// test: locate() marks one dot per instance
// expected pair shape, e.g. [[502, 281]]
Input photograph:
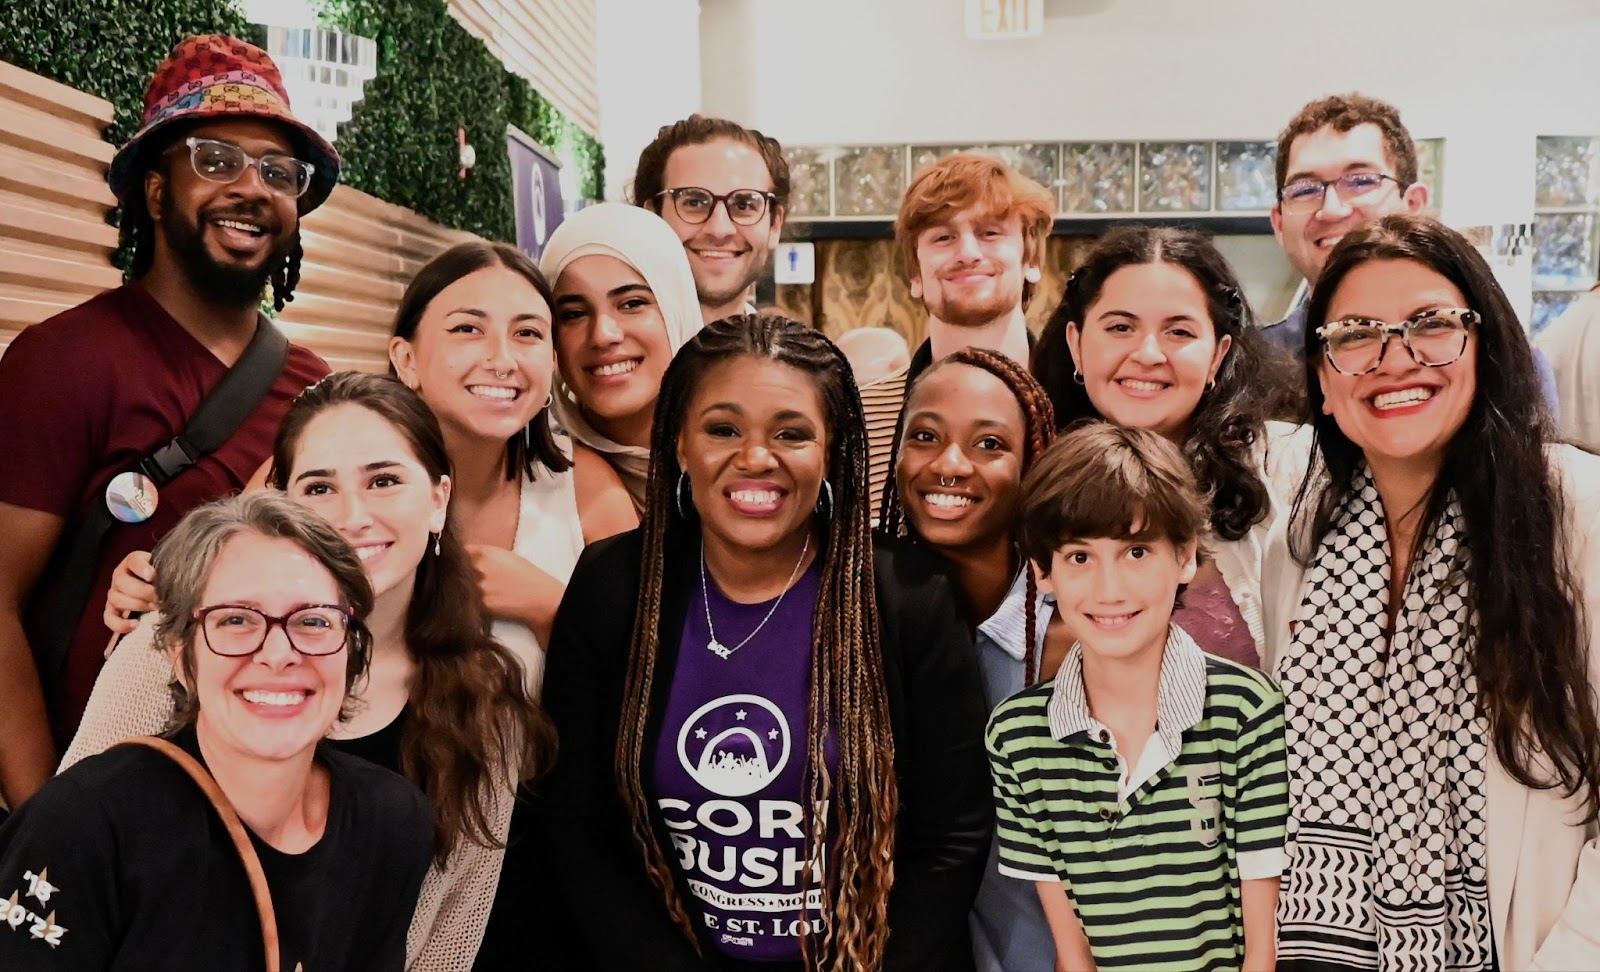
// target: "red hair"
[[966, 181]]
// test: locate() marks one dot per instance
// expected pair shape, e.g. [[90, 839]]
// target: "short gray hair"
[[186, 555]]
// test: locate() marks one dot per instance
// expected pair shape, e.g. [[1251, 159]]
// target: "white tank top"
[[549, 536]]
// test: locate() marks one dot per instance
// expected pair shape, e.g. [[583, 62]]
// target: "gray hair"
[[186, 555]]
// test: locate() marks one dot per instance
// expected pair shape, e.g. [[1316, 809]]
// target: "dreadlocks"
[[847, 694], [138, 230], [1039, 418]]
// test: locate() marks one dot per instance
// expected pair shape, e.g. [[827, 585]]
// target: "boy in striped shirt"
[[1144, 790]]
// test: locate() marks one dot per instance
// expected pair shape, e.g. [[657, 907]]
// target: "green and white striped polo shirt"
[[1154, 878]]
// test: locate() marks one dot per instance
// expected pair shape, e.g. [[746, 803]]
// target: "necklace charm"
[[718, 648]]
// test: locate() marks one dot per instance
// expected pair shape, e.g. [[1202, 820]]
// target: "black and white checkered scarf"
[[1386, 751]]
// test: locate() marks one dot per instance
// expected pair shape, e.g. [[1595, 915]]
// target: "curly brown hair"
[[649, 176], [1342, 113]]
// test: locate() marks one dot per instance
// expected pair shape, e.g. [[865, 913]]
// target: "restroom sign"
[[794, 263], [1004, 19]]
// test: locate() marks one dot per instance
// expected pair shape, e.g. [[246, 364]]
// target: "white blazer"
[[1544, 858]]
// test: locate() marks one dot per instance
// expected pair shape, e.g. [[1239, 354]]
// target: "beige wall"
[[56, 246], [549, 42]]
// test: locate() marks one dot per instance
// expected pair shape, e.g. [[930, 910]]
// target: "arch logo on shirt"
[[735, 745]]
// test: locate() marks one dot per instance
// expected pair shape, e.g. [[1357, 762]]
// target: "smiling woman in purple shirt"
[[771, 729]]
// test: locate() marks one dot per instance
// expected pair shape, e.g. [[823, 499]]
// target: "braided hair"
[[847, 696], [1039, 420], [1251, 384]]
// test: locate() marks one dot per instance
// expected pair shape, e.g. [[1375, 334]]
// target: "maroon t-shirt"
[[85, 396]]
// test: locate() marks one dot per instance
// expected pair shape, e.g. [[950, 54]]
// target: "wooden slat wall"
[[549, 42], [56, 246], [360, 252], [55, 243]]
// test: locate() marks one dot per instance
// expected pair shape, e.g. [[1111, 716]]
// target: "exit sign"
[[1004, 19]]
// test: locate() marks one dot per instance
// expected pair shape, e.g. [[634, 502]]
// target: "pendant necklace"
[[718, 648]]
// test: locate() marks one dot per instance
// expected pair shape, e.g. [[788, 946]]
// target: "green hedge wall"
[[432, 77], [108, 49], [401, 144]]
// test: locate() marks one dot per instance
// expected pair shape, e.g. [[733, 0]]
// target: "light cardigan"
[[1281, 456], [131, 698], [1544, 859]]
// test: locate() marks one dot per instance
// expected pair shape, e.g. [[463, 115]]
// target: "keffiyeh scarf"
[[1387, 749]]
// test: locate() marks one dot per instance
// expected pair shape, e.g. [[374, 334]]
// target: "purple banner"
[[536, 187]]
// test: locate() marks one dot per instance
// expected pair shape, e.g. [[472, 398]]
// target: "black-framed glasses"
[[1435, 338], [225, 162], [695, 205], [1307, 195], [234, 630]]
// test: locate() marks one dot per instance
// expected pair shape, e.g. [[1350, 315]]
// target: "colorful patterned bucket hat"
[[217, 76]]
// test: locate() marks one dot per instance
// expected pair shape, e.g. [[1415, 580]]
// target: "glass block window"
[[1174, 177], [1566, 226], [1097, 177], [1430, 169], [1247, 176], [1197, 178], [869, 180], [809, 183]]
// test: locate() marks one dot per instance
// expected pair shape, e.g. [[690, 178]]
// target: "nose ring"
[[946, 482], [502, 375]]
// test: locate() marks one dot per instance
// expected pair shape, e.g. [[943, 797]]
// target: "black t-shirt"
[[121, 863]]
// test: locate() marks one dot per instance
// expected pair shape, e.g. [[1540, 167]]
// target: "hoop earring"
[[1077, 375], [825, 500], [549, 399], [677, 496], [1212, 383]]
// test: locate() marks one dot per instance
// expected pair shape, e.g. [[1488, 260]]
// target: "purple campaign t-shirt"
[[729, 772]]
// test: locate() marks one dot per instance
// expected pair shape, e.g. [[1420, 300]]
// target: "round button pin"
[[131, 497]]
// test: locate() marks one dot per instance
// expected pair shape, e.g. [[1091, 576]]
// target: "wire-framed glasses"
[[1306, 195], [234, 630], [695, 205], [1435, 338]]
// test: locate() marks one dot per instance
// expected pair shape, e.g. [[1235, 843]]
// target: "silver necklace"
[[718, 648]]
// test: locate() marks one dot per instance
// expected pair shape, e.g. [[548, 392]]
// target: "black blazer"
[[936, 709]]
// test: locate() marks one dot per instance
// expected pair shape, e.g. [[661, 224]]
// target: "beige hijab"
[[643, 241]]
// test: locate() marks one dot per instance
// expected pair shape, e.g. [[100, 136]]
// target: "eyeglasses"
[[234, 631], [225, 162], [1435, 338], [1307, 195], [695, 205]]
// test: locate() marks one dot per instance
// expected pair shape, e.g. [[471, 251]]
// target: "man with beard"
[[971, 234], [214, 183], [723, 189]]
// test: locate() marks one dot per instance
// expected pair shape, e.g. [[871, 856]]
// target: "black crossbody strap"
[[217, 418], [226, 408]]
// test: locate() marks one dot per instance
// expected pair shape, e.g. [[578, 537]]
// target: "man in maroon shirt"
[[215, 182]]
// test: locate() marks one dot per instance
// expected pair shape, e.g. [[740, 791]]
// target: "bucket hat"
[[216, 76]]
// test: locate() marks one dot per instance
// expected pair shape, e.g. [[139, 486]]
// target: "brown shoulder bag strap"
[[241, 838]]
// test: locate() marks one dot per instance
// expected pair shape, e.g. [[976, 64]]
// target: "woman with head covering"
[[624, 304]]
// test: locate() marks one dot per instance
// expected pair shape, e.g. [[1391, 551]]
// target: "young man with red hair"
[[971, 234]]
